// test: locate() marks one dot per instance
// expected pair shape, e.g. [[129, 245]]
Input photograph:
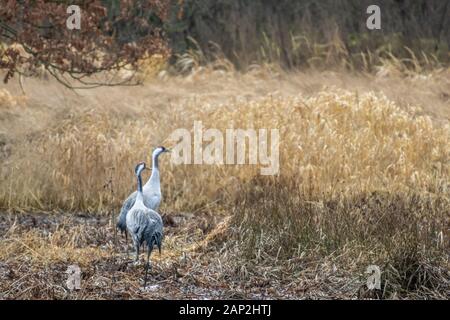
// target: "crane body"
[[144, 225]]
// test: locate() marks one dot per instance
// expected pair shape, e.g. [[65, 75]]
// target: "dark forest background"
[[293, 31]]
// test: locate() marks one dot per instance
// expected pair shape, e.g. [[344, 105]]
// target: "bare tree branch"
[[37, 37]]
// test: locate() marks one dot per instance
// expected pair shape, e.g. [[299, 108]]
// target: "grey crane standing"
[[143, 223], [151, 192]]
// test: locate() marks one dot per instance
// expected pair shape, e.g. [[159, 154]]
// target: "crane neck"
[[155, 163], [139, 196], [154, 180]]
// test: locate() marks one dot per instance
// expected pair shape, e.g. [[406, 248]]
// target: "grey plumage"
[[151, 192], [144, 224], [150, 201]]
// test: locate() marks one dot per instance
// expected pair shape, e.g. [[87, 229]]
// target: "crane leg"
[[126, 244], [137, 252], [147, 266]]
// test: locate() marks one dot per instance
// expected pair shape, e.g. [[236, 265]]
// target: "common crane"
[[143, 223], [151, 192]]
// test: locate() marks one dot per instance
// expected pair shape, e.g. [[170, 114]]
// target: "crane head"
[[139, 168], [159, 150]]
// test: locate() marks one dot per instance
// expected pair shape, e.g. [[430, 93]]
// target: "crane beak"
[[168, 150]]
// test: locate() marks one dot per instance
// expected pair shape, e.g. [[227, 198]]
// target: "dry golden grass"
[[364, 179], [334, 142]]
